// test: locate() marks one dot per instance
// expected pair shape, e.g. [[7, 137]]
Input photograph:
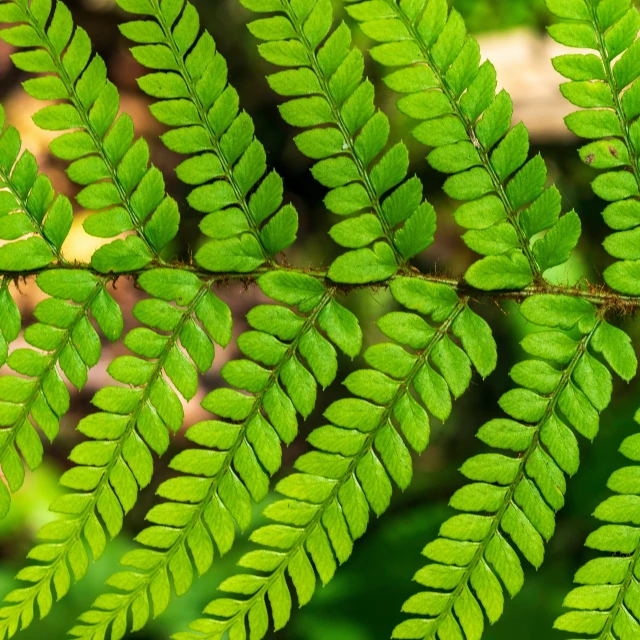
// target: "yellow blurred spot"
[[79, 245]]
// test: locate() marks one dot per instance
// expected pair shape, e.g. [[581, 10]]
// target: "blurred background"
[[363, 601]]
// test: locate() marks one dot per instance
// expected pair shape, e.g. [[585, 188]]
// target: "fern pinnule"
[[235, 455], [133, 420], [516, 497], [325, 505], [245, 217], [10, 320], [347, 136], [605, 605], [469, 128], [606, 86], [119, 185]]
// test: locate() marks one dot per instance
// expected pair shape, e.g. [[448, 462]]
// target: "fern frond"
[[245, 216], [63, 341], [469, 128], [114, 170], [133, 421], [605, 606], [33, 218], [326, 504], [516, 497], [606, 86], [348, 136], [235, 456]]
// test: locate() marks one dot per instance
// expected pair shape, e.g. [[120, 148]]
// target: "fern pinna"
[[435, 336], [605, 605]]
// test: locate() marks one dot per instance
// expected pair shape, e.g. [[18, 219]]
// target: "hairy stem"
[[599, 295]]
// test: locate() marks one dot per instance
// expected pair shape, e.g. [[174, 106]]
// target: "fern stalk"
[[127, 194], [616, 91], [508, 501], [339, 120], [179, 59], [522, 493], [469, 128], [606, 88], [325, 84]]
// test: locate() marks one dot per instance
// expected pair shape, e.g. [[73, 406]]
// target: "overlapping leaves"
[[34, 220], [512, 500], [323, 76], [507, 204], [62, 341], [326, 503]]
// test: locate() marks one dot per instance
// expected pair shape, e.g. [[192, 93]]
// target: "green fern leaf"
[[604, 605], [116, 460], [469, 130], [325, 505], [236, 455], [512, 500], [606, 86], [118, 183], [189, 83], [347, 136]]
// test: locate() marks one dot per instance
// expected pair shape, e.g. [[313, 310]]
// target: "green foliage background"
[[363, 601]]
